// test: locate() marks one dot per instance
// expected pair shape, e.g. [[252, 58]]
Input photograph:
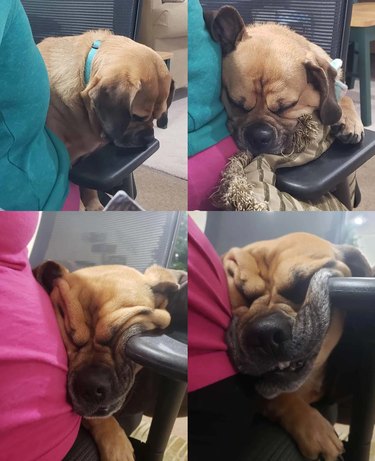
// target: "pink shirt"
[[36, 422], [73, 199], [205, 173], [209, 313]]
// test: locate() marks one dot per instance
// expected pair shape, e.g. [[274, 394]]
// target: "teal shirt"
[[207, 117], [34, 163]]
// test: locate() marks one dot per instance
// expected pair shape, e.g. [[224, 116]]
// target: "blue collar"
[[90, 57], [340, 87]]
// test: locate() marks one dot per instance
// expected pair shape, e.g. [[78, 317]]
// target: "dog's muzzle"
[[260, 137], [270, 333], [281, 350], [139, 138], [94, 390]]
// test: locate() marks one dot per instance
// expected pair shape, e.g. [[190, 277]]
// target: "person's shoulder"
[[7, 9], [6, 6]]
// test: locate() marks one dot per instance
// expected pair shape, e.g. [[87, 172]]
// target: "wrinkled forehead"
[[250, 71], [98, 288], [97, 304]]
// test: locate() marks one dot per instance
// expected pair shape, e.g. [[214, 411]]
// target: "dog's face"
[[129, 88], [271, 76], [98, 309], [281, 316]]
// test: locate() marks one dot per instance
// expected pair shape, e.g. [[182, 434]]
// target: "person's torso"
[[33, 163]]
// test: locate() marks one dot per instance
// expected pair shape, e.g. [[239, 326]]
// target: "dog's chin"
[[273, 378], [138, 140], [278, 149], [130, 144], [129, 141], [284, 377], [96, 411]]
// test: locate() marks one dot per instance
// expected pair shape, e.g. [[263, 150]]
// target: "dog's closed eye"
[[283, 107], [239, 103], [296, 292]]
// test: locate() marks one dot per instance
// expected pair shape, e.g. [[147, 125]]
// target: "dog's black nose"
[[269, 333], [260, 137], [93, 383]]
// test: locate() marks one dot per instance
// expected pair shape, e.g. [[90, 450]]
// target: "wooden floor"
[[343, 432]]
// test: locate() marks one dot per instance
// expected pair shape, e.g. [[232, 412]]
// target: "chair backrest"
[[228, 229], [324, 22], [135, 239], [56, 18], [88, 239]]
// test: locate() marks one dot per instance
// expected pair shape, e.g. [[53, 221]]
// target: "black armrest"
[[106, 168], [311, 181], [357, 295], [167, 352], [353, 293], [161, 352]]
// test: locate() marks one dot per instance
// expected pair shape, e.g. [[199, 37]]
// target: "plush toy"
[[249, 184]]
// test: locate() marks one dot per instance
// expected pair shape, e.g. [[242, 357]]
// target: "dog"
[[98, 309], [283, 330], [129, 86], [271, 76]]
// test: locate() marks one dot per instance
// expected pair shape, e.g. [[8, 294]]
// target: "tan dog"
[[98, 309], [283, 330], [270, 77], [129, 87]]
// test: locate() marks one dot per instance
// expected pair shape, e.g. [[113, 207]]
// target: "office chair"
[[326, 23], [137, 240], [356, 297], [354, 357], [108, 169]]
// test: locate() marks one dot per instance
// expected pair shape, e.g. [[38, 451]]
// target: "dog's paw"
[[94, 205], [110, 438], [316, 437], [349, 130], [117, 448]]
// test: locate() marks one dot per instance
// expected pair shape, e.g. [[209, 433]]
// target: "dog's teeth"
[[283, 365], [297, 365]]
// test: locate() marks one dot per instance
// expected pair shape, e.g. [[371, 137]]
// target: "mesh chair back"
[[226, 229], [79, 240], [56, 18], [324, 22]]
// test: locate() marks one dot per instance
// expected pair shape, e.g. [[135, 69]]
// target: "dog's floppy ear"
[[323, 77], [112, 103], [225, 26], [113, 111], [163, 120], [47, 272], [164, 283], [355, 260], [244, 281], [171, 93]]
